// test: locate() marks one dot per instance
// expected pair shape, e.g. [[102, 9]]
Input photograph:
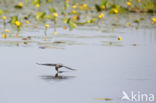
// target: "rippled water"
[[105, 66]]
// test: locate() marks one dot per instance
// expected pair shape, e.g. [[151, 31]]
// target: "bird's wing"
[[68, 67], [47, 64]]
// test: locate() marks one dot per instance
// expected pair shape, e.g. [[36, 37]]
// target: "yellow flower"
[[88, 21], [138, 0], [18, 23], [54, 32], [75, 18], [4, 17], [101, 15], [74, 11], [67, 0], [20, 4], [27, 22], [128, 24], [65, 27], [137, 20], [4, 36], [129, 3], [115, 11], [55, 14], [153, 20], [80, 7], [37, 5], [7, 30], [74, 6], [47, 26], [85, 6], [119, 38], [103, 7]]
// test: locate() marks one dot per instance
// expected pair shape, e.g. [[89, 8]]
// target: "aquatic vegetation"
[[19, 6], [129, 3], [74, 13], [45, 31], [47, 26], [1, 12], [115, 11], [13, 19], [101, 15], [27, 22], [40, 15], [7, 30], [54, 32], [18, 25], [120, 38], [4, 36], [70, 23], [128, 24], [4, 21], [153, 20], [137, 20], [74, 6], [53, 16], [4, 17], [37, 5]]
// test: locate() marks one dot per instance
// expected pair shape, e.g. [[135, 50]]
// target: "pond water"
[[105, 66]]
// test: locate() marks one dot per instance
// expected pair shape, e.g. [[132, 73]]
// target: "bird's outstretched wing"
[[47, 64], [68, 67]]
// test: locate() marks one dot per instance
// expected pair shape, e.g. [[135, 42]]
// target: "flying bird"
[[57, 66]]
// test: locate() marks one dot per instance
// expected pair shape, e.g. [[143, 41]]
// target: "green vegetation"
[[71, 14]]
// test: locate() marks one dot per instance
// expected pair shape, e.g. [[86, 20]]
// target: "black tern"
[[57, 66]]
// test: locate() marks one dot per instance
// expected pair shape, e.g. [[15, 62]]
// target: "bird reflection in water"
[[56, 77]]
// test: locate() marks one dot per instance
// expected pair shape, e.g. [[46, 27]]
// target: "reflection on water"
[[110, 43], [131, 37], [56, 77]]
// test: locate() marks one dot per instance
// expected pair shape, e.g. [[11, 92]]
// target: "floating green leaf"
[[98, 8], [67, 20], [1, 12], [93, 20], [18, 7], [36, 2], [48, 1], [51, 17], [40, 15], [13, 19], [72, 25], [52, 10]]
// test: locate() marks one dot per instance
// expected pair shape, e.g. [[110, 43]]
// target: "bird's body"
[[57, 66]]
